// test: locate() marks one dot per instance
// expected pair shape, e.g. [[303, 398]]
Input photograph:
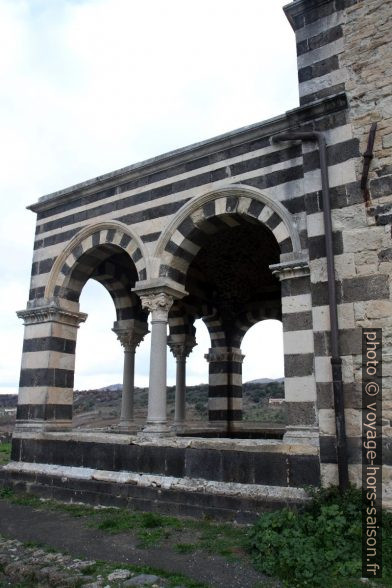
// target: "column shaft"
[[157, 414], [158, 304], [127, 400], [130, 333], [179, 409]]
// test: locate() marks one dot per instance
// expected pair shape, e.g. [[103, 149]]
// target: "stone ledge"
[[249, 445], [250, 491]]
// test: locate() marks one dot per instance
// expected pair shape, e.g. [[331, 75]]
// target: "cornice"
[[236, 137]]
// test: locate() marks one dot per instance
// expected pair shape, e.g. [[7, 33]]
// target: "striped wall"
[[320, 43], [224, 385], [148, 222], [47, 370]]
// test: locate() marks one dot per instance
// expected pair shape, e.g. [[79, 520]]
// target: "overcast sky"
[[89, 86]]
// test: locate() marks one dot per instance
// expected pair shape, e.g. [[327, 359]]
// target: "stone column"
[[129, 338], [180, 349], [159, 305], [47, 372], [298, 343], [225, 386]]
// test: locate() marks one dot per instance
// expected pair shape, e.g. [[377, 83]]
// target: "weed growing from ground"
[[320, 545]]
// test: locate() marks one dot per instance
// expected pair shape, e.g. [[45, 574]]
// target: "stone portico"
[[232, 231]]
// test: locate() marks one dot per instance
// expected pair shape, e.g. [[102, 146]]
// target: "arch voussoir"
[[205, 215]]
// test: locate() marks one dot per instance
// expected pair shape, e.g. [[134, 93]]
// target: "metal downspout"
[[336, 360]]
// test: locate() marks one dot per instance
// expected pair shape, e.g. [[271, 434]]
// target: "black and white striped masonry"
[[231, 230]]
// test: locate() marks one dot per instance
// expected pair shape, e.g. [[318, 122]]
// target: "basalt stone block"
[[301, 413], [297, 321], [381, 186], [126, 457], [366, 288], [328, 449], [16, 449], [295, 287], [204, 463], [350, 342], [304, 470], [298, 365], [238, 466], [152, 460], [175, 462], [270, 469], [99, 456], [354, 450]]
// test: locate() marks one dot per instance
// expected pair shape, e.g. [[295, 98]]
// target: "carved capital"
[[158, 304], [46, 314], [181, 349], [224, 354], [129, 339], [130, 335]]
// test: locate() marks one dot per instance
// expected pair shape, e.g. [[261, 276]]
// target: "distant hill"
[[104, 404], [265, 381], [8, 400], [101, 407]]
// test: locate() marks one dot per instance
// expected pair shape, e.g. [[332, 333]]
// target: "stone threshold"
[[233, 489]]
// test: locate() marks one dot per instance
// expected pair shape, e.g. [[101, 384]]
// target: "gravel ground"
[[21, 526]]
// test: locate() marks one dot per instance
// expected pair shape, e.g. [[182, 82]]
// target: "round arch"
[[111, 233], [176, 248]]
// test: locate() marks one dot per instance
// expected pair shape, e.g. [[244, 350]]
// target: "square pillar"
[[225, 386], [298, 344], [47, 372]]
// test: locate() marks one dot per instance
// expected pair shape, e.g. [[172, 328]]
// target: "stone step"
[[168, 501]]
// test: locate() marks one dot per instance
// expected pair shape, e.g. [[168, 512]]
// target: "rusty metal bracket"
[[368, 156]]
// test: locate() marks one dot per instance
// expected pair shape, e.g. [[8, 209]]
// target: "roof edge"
[[268, 127]]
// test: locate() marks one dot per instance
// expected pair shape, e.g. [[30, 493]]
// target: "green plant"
[[185, 547], [5, 453], [318, 546]]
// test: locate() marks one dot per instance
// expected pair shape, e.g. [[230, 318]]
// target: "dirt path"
[[71, 535]]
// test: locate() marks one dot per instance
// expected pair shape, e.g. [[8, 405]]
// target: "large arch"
[[175, 248]]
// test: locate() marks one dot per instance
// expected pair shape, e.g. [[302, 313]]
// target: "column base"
[[302, 435], [156, 430], [126, 427], [179, 427]]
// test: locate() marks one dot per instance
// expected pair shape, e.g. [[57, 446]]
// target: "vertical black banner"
[[371, 453]]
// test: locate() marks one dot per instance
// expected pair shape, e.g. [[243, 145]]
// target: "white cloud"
[[88, 86]]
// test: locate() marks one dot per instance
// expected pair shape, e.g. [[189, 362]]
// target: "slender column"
[[129, 339], [159, 305], [180, 350]]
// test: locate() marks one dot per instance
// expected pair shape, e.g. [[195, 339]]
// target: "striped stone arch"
[[200, 217], [250, 318], [117, 282], [101, 240], [215, 329]]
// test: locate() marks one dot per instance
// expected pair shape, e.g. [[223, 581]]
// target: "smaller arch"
[[198, 218], [116, 281], [270, 310], [110, 234]]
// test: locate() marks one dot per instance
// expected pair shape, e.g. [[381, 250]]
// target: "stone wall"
[[345, 46], [367, 57]]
